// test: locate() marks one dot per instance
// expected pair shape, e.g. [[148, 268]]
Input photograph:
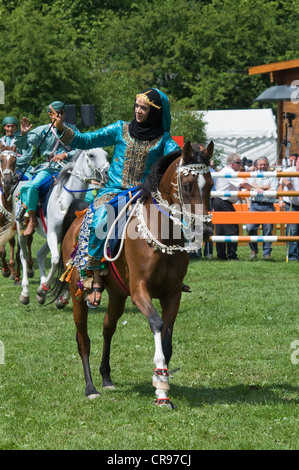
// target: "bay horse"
[[150, 264], [8, 178], [73, 182]]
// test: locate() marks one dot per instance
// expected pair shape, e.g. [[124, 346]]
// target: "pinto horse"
[[150, 264], [8, 159]]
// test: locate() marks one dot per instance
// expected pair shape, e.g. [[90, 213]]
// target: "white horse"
[[73, 182]]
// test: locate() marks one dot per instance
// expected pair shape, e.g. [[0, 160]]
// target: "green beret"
[[9, 120], [56, 105]]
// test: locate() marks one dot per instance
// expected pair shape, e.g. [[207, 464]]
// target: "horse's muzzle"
[[8, 181]]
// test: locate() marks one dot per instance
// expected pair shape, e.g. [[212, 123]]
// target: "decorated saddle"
[[79, 256], [45, 190]]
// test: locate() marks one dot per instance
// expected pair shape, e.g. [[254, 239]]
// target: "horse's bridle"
[[174, 209], [173, 213], [102, 171]]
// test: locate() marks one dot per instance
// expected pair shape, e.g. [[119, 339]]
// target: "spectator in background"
[[291, 204], [246, 163], [228, 251], [261, 203]]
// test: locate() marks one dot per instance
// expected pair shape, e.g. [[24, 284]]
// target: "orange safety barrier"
[[244, 194], [279, 218], [255, 218]]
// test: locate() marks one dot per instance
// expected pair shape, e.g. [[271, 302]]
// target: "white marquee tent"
[[252, 133]]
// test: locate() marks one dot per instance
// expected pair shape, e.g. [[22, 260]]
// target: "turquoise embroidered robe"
[[131, 163]]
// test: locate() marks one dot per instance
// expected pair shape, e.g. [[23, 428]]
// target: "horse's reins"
[[197, 169], [5, 212], [105, 252], [97, 171]]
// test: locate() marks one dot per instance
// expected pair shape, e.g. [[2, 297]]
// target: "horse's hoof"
[[165, 402], [12, 277], [108, 384], [91, 393], [41, 294], [93, 396], [41, 299], [5, 273], [24, 300], [30, 273], [60, 303], [42, 291]]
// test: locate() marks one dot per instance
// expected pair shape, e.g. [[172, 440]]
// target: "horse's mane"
[[65, 172], [157, 171], [152, 182]]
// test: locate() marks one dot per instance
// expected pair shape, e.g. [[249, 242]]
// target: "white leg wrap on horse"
[[160, 377], [159, 358]]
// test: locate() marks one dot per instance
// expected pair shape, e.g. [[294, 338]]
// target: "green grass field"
[[237, 387]]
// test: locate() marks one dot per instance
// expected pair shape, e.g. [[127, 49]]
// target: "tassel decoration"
[[68, 277], [80, 214]]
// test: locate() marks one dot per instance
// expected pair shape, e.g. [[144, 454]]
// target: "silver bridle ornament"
[[102, 171], [145, 233]]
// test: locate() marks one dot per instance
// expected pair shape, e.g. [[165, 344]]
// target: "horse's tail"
[[59, 287], [77, 205], [8, 232]]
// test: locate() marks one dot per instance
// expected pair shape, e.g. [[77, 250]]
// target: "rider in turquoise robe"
[[136, 148], [10, 125]]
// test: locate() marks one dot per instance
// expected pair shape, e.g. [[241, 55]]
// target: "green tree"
[[199, 51], [190, 126], [41, 62], [102, 52]]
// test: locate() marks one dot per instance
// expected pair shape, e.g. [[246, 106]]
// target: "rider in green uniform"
[[53, 150]]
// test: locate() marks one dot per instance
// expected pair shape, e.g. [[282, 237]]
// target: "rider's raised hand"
[[25, 125], [57, 118]]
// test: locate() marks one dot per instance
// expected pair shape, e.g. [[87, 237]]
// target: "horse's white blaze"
[[201, 182]]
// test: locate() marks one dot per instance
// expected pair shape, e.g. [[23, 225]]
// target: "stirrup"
[[20, 212], [97, 302]]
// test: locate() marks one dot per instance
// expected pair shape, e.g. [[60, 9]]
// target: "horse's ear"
[[187, 152], [210, 149]]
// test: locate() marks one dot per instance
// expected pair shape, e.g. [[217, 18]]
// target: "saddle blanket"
[[80, 254]]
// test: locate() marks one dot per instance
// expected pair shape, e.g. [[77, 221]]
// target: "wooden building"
[[284, 73]]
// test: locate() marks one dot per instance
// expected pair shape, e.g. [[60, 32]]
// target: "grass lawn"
[[237, 387]]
